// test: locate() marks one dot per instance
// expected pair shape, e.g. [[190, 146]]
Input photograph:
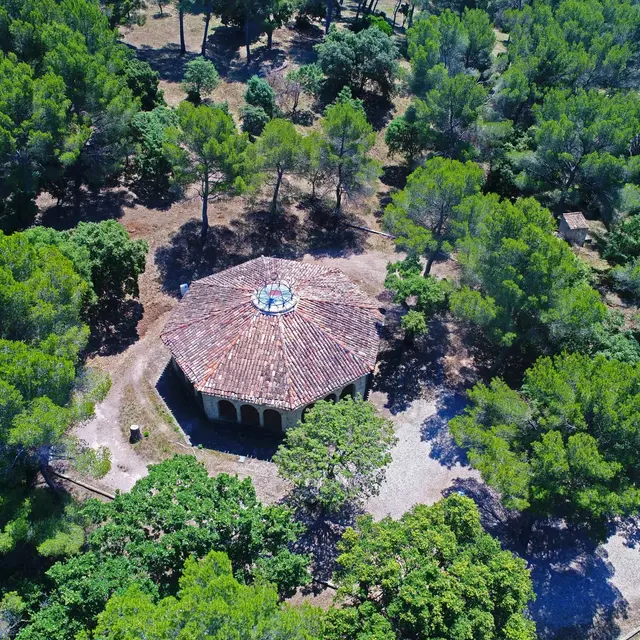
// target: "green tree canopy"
[[200, 78], [206, 148], [279, 151], [450, 109], [184, 512], [337, 454], [623, 241], [434, 573], [580, 139], [363, 60], [456, 42], [66, 101], [426, 215], [347, 140], [524, 285], [575, 43], [210, 603], [562, 445], [145, 536]]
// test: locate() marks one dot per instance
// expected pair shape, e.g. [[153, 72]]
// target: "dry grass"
[[161, 435]]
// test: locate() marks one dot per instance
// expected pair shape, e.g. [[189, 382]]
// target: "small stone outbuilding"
[[261, 342], [574, 228]]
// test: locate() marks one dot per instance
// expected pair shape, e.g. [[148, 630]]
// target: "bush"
[[143, 82], [375, 22], [260, 94], [200, 78], [254, 120], [364, 60]]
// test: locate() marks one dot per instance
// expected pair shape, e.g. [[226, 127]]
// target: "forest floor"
[[584, 591]]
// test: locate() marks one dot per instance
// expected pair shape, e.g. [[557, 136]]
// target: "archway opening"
[[349, 390], [272, 420], [249, 415], [331, 397], [227, 411], [306, 410]]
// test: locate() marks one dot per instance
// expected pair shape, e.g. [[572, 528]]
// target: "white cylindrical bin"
[[134, 433], [183, 289]]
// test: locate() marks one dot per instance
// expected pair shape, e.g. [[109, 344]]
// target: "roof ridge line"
[[351, 303], [285, 356], [196, 320], [333, 338], [226, 352]]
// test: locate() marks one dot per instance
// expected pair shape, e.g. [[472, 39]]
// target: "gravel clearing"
[[415, 475]]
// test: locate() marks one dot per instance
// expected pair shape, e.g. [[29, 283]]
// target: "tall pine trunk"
[[329, 16], [274, 202], [205, 209], [247, 39], [183, 48], [206, 33]]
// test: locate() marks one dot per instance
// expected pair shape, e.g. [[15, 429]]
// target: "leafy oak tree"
[[206, 148], [623, 241], [363, 60], [210, 603], [426, 215], [337, 454], [562, 445], [145, 537], [435, 573]]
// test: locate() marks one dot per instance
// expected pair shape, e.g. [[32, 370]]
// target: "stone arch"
[[331, 397], [227, 411], [272, 420], [349, 390], [249, 415], [307, 409]]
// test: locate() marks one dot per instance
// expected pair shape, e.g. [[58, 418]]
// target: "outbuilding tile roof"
[[228, 347], [575, 220]]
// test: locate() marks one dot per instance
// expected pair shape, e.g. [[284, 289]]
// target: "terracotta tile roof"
[[575, 220], [228, 347]]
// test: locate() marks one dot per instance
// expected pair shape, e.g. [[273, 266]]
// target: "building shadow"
[[435, 430], [228, 438], [571, 574], [405, 372]]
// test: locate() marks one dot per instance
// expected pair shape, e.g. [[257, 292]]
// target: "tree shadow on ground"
[[328, 234], [435, 430], [115, 327], [405, 373], [229, 438], [395, 175], [320, 539], [629, 529], [571, 574], [87, 206], [257, 233], [167, 61], [301, 45], [224, 44]]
